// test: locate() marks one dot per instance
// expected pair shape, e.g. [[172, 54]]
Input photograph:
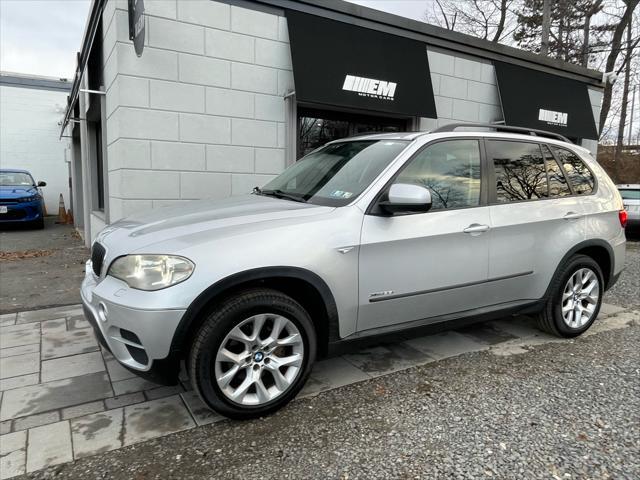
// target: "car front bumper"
[[139, 339], [21, 212]]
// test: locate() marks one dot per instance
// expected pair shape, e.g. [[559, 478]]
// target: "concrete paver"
[[17, 365], [446, 344], [8, 319], [49, 445], [21, 350], [17, 382], [63, 344], [25, 401], [108, 406], [49, 313], [73, 366], [97, 433], [13, 454], [155, 418], [17, 338]]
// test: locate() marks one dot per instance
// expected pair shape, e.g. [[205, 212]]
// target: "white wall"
[[464, 89], [29, 139], [201, 113]]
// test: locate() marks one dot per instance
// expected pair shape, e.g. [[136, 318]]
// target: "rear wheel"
[[575, 299], [253, 354]]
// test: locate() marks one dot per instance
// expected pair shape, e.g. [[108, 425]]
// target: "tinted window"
[[579, 175], [630, 194], [558, 186], [336, 174], [450, 170], [520, 171]]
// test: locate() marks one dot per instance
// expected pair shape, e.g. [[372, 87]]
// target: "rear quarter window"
[[630, 194], [578, 173]]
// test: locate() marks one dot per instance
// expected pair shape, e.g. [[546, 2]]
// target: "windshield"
[[15, 179], [629, 194], [335, 174]]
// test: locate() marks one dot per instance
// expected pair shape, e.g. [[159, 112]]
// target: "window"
[[520, 171], [629, 194], [336, 174], [451, 172], [99, 167], [579, 175], [558, 186]]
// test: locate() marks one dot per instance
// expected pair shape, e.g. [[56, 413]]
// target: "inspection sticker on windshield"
[[341, 194]]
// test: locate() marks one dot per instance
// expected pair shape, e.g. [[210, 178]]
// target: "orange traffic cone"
[[69, 217], [62, 212]]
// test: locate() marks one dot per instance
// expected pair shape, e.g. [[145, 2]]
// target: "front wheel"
[[253, 354], [576, 296]]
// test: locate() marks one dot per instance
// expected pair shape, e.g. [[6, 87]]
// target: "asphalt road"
[[563, 410], [40, 268]]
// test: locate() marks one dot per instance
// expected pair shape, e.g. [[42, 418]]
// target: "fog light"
[[102, 312]]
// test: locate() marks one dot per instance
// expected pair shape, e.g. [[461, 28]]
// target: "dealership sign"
[[553, 118], [370, 87], [136, 25]]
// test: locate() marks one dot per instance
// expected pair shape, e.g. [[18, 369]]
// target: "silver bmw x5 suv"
[[361, 238]]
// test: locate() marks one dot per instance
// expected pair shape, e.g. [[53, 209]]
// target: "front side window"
[[579, 175], [558, 185], [519, 169], [451, 172], [336, 174]]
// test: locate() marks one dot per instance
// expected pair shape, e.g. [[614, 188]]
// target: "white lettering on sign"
[[369, 87], [553, 118]]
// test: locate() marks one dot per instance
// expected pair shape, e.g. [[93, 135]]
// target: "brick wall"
[[464, 89], [201, 113]]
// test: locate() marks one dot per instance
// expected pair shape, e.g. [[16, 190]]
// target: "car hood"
[[196, 221], [11, 191]]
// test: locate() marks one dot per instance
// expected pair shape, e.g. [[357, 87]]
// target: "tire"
[[233, 326], [552, 319]]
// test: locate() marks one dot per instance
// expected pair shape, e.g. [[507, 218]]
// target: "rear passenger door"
[[535, 217]]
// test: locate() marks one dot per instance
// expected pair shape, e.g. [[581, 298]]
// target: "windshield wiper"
[[280, 194]]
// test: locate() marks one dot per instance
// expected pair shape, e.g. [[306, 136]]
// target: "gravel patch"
[[563, 410], [626, 293]]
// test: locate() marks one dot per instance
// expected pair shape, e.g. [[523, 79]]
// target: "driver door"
[[421, 265]]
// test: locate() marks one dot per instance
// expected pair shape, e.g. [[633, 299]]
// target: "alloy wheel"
[[259, 359], [580, 298]]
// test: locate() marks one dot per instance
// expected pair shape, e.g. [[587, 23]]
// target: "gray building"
[[179, 100], [30, 110]]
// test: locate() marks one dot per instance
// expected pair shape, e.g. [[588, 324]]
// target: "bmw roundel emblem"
[[258, 356]]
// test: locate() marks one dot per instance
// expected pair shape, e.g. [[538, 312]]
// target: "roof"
[[34, 81], [436, 36], [14, 170]]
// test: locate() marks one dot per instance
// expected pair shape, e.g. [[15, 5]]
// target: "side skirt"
[[431, 325]]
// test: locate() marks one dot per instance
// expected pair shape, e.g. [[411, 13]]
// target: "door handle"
[[476, 228], [572, 216]]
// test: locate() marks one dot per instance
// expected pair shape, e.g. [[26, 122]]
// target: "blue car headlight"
[[32, 198]]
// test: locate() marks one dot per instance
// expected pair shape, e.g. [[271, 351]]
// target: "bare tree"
[[612, 57], [625, 100]]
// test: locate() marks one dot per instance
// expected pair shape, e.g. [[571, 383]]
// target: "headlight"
[[151, 272], [29, 199]]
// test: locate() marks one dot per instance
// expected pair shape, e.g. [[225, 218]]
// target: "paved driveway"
[[62, 398]]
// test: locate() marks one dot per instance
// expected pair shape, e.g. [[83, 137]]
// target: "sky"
[[41, 37]]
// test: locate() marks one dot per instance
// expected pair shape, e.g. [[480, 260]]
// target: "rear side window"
[[558, 185], [451, 172], [519, 169], [580, 176]]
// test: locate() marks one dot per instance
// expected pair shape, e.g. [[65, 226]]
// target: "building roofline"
[[38, 82], [437, 36]]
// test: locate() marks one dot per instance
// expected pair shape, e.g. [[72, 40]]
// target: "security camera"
[[609, 77]]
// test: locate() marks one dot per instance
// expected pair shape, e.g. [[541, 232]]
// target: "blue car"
[[20, 200]]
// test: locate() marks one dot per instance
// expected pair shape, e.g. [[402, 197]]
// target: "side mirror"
[[405, 198], [42, 184]]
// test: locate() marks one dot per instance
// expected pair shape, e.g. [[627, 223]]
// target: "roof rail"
[[451, 127]]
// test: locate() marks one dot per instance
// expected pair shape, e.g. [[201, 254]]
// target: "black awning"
[[541, 100], [339, 64]]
